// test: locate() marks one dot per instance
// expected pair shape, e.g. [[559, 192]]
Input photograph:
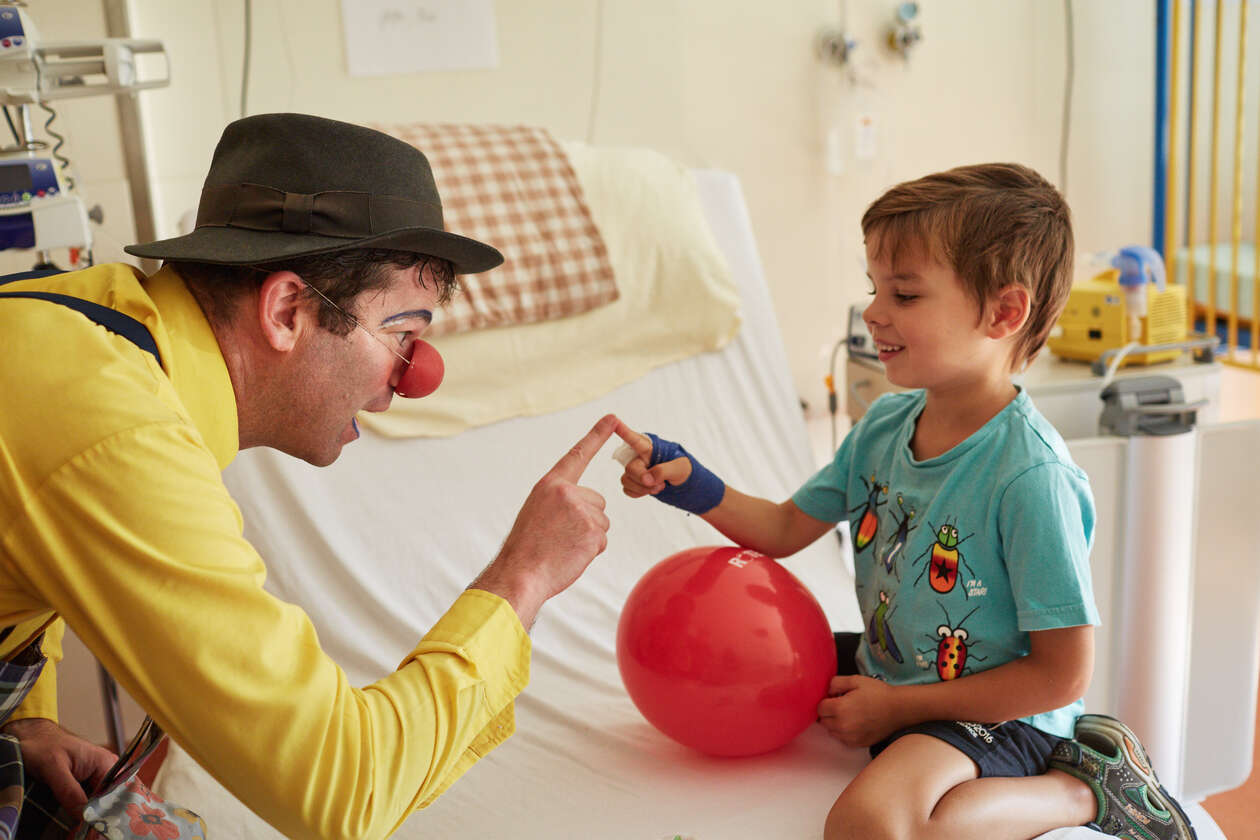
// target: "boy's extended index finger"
[[575, 461], [640, 443]]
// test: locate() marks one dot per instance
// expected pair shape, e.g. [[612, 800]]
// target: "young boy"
[[971, 530]]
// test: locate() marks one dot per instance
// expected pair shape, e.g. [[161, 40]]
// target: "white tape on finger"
[[624, 454]]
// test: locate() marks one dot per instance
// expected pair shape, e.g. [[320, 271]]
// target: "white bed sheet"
[[377, 546]]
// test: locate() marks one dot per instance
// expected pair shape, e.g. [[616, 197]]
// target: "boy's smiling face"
[[929, 331]]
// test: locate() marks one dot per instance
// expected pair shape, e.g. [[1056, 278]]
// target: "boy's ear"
[[282, 310], [1008, 311]]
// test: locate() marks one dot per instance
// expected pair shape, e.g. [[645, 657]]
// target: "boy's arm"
[[778, 530], [1055, 672]]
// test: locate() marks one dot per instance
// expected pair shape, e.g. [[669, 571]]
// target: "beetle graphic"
[[879, 633], [898, 541], [868, 522], [944, 560], [952, 648]]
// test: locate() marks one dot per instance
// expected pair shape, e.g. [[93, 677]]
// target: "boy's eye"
[[904, 298]]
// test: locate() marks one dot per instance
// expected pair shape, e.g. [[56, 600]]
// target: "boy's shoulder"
[[1034, 438]]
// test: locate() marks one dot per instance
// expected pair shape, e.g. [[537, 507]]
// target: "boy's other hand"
[[640, 479], [858, 711]]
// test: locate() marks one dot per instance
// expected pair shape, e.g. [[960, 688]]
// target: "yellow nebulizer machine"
[[1130, 303]]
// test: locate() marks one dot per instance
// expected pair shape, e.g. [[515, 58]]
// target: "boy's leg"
[[1022, 806], [922, 787]]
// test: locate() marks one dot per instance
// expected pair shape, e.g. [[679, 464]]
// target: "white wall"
[[734, 85]]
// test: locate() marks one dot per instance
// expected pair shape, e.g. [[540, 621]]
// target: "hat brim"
[[239, 246]]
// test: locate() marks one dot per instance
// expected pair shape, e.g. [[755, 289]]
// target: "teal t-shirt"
[[959, 556]]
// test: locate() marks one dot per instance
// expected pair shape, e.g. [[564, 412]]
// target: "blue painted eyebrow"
[[423, 314]]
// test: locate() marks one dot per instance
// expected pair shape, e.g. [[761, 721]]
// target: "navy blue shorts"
[[1011, 748]]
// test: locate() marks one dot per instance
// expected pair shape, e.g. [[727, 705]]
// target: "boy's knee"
[[855, 817]]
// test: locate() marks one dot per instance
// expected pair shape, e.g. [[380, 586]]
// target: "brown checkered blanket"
[[513, 187]]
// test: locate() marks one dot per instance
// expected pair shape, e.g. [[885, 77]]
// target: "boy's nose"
[[873, 314]]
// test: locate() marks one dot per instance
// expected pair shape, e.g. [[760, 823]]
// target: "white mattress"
[[377, 546]]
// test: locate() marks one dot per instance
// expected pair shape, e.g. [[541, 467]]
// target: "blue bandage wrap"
[[700, 493]]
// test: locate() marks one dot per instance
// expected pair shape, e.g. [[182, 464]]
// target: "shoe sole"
[[1117, 732]]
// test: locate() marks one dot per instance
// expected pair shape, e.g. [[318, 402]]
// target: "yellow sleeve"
[[41, 700], [137, 544]]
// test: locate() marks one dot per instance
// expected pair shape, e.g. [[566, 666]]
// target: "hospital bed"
[[377, 546]]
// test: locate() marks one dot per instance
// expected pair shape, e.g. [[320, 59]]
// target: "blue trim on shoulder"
[[30, 275], [111, 319]]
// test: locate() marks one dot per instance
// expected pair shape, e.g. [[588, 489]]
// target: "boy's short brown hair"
[[994, 224]]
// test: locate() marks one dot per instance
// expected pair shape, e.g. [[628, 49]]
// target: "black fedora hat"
[[290, 185]]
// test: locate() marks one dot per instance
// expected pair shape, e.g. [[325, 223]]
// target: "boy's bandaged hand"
[[661, 468], [643, 476]]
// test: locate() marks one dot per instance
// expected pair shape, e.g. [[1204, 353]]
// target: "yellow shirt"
[[114, 517]]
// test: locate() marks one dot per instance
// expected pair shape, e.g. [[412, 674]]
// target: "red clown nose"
[[424, 372]]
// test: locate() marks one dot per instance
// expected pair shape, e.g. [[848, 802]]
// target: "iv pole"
[[135, 151]]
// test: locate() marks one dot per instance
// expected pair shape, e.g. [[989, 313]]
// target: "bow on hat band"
[[339, 213]]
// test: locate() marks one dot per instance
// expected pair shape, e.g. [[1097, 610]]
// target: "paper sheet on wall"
[[407, 36]]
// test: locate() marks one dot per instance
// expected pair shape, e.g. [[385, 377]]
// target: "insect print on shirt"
[[944, 559], [879, 633], [868, 522], [898, 540], [952, 648]]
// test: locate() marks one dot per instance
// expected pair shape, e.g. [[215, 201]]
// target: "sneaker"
[[1132, 804]]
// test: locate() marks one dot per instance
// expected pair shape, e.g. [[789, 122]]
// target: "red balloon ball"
[[725, 651]]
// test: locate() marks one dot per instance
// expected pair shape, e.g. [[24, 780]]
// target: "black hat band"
[[340, 213]]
